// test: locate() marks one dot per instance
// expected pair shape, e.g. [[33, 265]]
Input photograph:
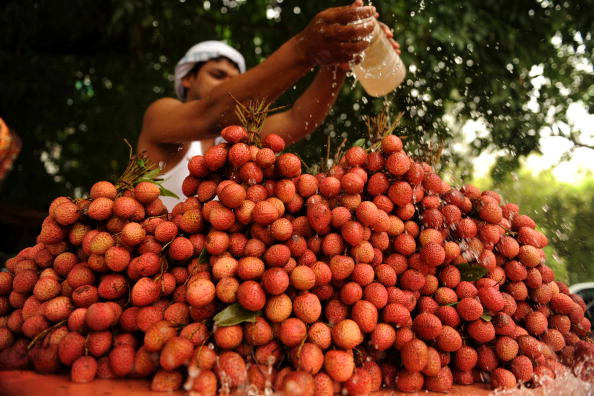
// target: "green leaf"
[[360, 142], [150, 176], [204, 256], [166, 193], [486, 317], [472, 272], [233, 315], [454, 303]]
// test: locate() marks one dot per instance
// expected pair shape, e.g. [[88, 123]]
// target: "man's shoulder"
[[158, 108], [154, 115], [163, 103]]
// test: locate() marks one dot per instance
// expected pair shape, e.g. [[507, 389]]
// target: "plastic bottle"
[[381, 69]]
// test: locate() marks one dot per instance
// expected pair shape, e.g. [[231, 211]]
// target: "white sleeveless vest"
[[173, 179]]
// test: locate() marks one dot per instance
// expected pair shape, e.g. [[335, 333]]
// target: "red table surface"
[[28, 383]]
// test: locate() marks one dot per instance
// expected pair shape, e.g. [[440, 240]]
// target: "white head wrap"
[[203, 52]]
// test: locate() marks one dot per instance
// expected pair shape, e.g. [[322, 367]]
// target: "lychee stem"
[[379, 126], [140, 168], [253, 115], [43, 333]]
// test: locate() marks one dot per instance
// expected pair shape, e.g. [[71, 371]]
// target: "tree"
[[77, 75]]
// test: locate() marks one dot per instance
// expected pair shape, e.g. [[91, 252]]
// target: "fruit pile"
[[375, 273]]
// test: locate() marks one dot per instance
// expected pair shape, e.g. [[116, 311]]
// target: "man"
[[211, 74]]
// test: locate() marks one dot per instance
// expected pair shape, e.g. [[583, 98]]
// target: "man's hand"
[[332, 37], [390, 35], [388, 32]]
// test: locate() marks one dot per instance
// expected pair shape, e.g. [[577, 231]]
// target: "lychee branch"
[[43, 333]]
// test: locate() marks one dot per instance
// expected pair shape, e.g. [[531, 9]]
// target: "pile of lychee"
[[374, 274]]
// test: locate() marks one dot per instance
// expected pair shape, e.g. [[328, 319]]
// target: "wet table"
[[28, 383]]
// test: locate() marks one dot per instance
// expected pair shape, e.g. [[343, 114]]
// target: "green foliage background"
[[77, 75], [564, 213]]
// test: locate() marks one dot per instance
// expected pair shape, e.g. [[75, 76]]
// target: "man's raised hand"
[[332, 37]]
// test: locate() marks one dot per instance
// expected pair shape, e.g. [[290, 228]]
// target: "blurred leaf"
[[359, 142], [233, 315], [204, 257], [472, 272], [486, 317], [167, 193]]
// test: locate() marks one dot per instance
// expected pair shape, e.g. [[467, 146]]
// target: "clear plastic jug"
[[381, 69]]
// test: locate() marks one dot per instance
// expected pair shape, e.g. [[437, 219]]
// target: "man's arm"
[[171, 121], [312, 107], [310, 110], [329, 38]]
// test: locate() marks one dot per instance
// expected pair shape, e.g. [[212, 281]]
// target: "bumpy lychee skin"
[[441, 382], [481, 331], [346, 334], [562, 303], [365, 314], [503, 323], [506, 348], [339, 365], [448, 315], [491, 298], [427, 326], [103, 189], [449, 340], [46, 288], [307, 307], [352, 183], [309, 357], [465, 358], [414, 355], [554, 339], [166, 381], [292, 332], [275, 142], [176, 352], [132, 234], [71, 347], [234, 133], [409, 381], [502, 379], [144, 292], [383, 337], [295, 383], [359, 383], [100, 316], [83, 370], [433, 254], [216, 156], [146, 192], [536, 323], [521, 367], [200, 292], [289, 165], [24, 281], [469, 309], [67, 213], [302, 277]]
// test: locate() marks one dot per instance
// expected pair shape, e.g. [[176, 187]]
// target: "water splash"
[[565, 384]]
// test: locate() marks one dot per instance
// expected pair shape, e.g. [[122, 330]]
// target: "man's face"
[[211, 74]]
